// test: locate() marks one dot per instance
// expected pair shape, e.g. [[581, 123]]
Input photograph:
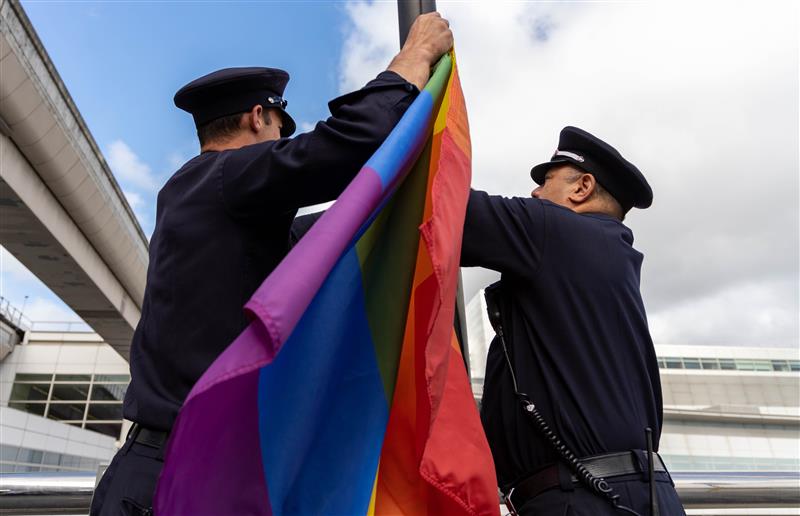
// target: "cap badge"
[[576, 157]]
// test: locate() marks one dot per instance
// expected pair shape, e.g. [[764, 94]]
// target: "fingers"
[[430, 33], [428, 38]]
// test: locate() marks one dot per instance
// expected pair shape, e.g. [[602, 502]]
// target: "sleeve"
[[503, 234], [315, 167]]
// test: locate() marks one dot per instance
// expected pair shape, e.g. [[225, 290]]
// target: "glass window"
[[88, 464], [74, 392], [762, 365], [101, 378], [794, 365], [673, 363], [105, 411], [780, 365], [24, 455], [691, 363], [727, 364], [33, 408], [30, 456], [662, 364], [28, 377], [30, 391], [744, 365], [710, 363], [110, 429], [51, 458], [66, 411], [74, 378], [8, 453], [109, 391], [70, 461], [6, 468]]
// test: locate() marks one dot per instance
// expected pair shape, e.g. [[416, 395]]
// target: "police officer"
[[222, 225], [572, 366]]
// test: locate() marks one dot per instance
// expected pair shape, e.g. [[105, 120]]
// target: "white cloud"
[[43, 310], [370, 42], [306, 126], [134, 199], [11, 267], [139, 205], [129, 168], [740, 315], [26, 293], [702, 97]]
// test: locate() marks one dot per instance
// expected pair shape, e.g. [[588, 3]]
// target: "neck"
[[595, 206], [234, 142]]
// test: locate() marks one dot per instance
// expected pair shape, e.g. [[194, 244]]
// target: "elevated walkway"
[[62, 213]]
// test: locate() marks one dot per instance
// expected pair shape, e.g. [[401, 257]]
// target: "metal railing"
[[71, 493], [14, 315], [46, 493], [61, 327]]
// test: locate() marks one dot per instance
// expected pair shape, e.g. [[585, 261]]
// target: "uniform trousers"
[[128, 484], [634, 491]]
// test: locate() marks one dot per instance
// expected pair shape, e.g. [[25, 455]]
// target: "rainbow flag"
[[347, 394]]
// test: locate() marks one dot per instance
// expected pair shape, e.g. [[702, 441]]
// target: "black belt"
[[602, 466], [148, 437]]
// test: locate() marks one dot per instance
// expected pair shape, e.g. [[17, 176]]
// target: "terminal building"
[[65, 218], [725, 408]]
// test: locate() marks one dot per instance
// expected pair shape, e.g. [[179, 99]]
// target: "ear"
[[582, 189], [254, 121]]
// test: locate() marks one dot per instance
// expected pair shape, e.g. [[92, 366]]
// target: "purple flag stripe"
[[228, 417], [312, 259]]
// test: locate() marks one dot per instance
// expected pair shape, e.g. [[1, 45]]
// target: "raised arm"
[[315, 167], [503, 234]]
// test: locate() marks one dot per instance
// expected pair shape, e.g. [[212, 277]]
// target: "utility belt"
[[605, 466], [156, 439]]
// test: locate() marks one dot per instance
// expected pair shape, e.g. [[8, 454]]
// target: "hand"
[[429, 37]]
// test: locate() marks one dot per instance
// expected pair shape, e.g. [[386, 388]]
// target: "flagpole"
[[407, 12]]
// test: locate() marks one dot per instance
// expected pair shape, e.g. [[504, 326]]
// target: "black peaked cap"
[[591, 154], [235, 90]]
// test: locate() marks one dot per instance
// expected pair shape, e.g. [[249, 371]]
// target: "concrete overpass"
[[62, 213]]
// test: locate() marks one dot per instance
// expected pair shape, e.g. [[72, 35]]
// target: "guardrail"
[[71, 493], [715, 490], [14, 315], [61, 326], [46, 493]]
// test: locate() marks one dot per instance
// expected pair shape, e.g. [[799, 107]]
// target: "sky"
[[701, 96]]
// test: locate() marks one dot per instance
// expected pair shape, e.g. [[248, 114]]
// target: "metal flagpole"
[[407, 12]]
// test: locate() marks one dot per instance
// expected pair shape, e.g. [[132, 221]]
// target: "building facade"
[[725, 408], [61, 394]]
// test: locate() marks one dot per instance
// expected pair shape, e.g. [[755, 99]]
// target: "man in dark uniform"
[[571, 315], [223, 222]]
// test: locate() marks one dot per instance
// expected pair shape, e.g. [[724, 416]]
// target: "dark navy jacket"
[[574, 319], [222, 225]]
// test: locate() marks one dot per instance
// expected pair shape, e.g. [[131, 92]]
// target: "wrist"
[[416, 55], [411, 68]]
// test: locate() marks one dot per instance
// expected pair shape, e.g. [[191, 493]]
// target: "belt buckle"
[[510, 504]]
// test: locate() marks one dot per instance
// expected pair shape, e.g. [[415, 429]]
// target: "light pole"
[[407, 12]]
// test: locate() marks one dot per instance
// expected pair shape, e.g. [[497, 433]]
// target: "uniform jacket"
[[576, 326], [222, 225]]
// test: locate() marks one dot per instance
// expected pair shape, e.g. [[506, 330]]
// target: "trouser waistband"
[[605, 466]]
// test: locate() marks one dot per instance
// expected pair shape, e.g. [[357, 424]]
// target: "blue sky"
[[123, 61], [703, 100]]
